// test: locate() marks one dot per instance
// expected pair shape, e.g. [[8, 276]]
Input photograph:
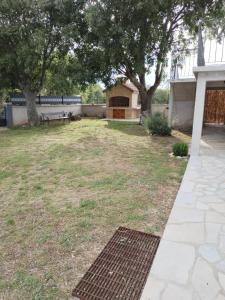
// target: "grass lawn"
[[65, 189]]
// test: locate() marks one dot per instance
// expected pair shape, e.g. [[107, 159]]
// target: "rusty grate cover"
[[120, 271]]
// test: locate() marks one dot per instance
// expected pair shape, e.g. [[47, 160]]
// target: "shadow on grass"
[[134, 128], [38, 130], [131, 128]]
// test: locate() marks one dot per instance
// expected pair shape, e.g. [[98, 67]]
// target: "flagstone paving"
[[190, 261]]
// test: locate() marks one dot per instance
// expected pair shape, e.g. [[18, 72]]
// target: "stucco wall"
[[121, 90], [19, 113], [134, 100], [183, 104], [118, 91], [96, 110], [130, 113], [162, 108]]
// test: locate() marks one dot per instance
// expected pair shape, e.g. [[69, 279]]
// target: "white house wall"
[[183, 94]]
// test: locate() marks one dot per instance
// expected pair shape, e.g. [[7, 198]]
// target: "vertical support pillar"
[[198, 114], [171, 99]]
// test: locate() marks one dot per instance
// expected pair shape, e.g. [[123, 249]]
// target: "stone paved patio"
[[190, 261]]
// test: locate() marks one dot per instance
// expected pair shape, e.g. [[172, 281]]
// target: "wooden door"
[[215, 107], [119, 113]]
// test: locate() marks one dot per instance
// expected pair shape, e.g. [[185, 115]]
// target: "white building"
[[197, 93]]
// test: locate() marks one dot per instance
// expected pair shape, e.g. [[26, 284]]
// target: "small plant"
[[10, 221], [158, 125], [180, 149], [87, 204]]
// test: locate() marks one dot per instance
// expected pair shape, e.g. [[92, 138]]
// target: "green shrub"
[[158, 124], [161, 96], [180, 149]]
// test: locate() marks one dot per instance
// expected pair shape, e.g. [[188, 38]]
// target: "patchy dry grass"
[[65, 189]]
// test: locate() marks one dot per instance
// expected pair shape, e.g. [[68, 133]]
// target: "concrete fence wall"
[[161, 108], [19, 113], [94, 110], [99, 110]]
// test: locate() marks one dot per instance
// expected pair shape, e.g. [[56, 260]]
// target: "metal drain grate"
[[120, 271]]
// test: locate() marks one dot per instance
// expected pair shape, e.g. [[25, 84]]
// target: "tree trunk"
[[32, 113], [144, 99], [146, 103], [200, 58]]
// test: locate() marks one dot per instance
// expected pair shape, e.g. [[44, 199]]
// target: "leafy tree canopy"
[[216, 22], [93, 94], [61, 77], [31, 33], [161, 96], [132, 38]]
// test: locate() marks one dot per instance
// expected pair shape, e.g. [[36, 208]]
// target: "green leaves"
[[93, 94], [133, 38], [60, 77], [31, 32]]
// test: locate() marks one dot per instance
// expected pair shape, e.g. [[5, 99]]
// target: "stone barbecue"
[[122, 102]]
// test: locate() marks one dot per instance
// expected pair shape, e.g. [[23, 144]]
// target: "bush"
[[158, 124], [180, 149]]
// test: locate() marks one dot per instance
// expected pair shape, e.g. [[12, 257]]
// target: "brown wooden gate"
[[215, 107], [119, 113]]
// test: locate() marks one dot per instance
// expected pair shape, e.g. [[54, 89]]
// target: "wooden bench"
[[53, 116]]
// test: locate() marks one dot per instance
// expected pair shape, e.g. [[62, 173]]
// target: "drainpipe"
[[200, 59]]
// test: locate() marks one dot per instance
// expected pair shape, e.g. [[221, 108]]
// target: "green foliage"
[[10, 221], [102, 40], [31, 33], [133, 38], [88, 204], [216, 21], [180, 149], [93, 94], [4, 94], [161, 96], [61, 78], [158, 125]]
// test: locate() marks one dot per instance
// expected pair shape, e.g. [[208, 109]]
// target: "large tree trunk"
[[146, 106], [146, 103], [32, 113], [145, 95]]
